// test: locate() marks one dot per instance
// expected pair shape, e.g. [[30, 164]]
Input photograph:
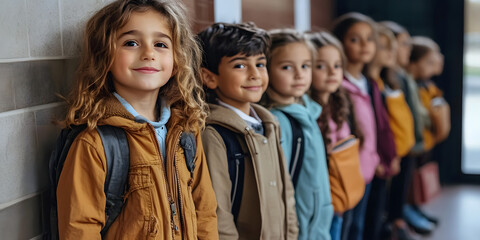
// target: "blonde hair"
[[93, 80], [282, 37], [386, 32]]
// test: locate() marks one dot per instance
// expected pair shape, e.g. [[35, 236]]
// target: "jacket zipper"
[[235, 186], [173, 211], [295, 158], [179, 194]]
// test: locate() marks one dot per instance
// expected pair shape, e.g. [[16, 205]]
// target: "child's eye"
[[305, 66], [354, 40], [239, 66], [260, 65], [320, 66], [338, 65], [287, 67], [130, 44], [161, 45]]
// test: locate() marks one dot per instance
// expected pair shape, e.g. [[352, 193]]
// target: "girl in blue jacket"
[[290, 72]]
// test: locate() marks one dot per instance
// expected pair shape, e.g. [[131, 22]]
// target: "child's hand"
[[380, 171], [395, 166]]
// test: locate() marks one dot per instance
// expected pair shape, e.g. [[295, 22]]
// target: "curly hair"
[[93, 80], [338, 107], [226, 40]]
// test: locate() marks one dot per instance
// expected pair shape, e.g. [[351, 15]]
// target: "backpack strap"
[[187, 142], [236, 165], [117, 154], [298, 148], [55, 166]]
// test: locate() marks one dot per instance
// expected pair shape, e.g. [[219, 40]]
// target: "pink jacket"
[[365, 118]]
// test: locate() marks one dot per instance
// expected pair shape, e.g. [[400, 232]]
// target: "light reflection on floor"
[[458, 208]]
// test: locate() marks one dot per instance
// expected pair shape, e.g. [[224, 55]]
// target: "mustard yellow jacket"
[[428, 91], [400, 118], [152, 186]]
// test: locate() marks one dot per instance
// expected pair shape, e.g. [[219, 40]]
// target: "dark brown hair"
[[343, 23], [227, 40], [421, 46]]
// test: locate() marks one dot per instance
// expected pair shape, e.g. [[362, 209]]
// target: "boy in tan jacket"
[[254, 192]]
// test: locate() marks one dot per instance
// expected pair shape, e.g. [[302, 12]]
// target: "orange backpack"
[[346, 181]]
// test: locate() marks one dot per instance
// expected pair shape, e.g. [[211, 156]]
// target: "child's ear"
[[209, 79]]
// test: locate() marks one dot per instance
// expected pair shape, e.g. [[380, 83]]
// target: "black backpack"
[[236, 160], [236, 166], [298, 148], [117, 153]]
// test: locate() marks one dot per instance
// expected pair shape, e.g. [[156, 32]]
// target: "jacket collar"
[[226, 117], [303, 113], [116, 115], [350, 87]]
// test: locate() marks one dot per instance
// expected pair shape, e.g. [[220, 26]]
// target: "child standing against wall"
[[138, 73], [336, 117], [290, 71], [357, 34], [254, 192]]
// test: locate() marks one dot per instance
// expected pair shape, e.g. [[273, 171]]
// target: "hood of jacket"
[[303, 113]]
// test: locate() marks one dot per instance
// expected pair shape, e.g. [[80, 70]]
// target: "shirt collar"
[[361, 82], [253, 118], [164, 112]]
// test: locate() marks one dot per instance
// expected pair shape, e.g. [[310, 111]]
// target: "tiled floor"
[[458, 208]]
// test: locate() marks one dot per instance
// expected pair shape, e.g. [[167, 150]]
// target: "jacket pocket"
[[152, 227], [139, 220], [322, 218], [190, 214]]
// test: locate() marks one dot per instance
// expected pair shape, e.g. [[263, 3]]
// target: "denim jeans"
[[353, 225], [336, 228]]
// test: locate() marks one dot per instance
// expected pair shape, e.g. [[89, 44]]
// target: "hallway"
[[458, 208]]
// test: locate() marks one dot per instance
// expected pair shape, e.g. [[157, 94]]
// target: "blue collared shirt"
[[160, 128]]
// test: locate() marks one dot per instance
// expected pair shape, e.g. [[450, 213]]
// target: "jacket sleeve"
[[285, 134], [204, 196], [80, 194], [216, 159]]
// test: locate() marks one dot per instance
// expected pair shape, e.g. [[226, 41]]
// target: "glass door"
[[471, 90]]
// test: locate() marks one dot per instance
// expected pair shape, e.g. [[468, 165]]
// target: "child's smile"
[[290, 70], [143, 60], [241, 80]]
